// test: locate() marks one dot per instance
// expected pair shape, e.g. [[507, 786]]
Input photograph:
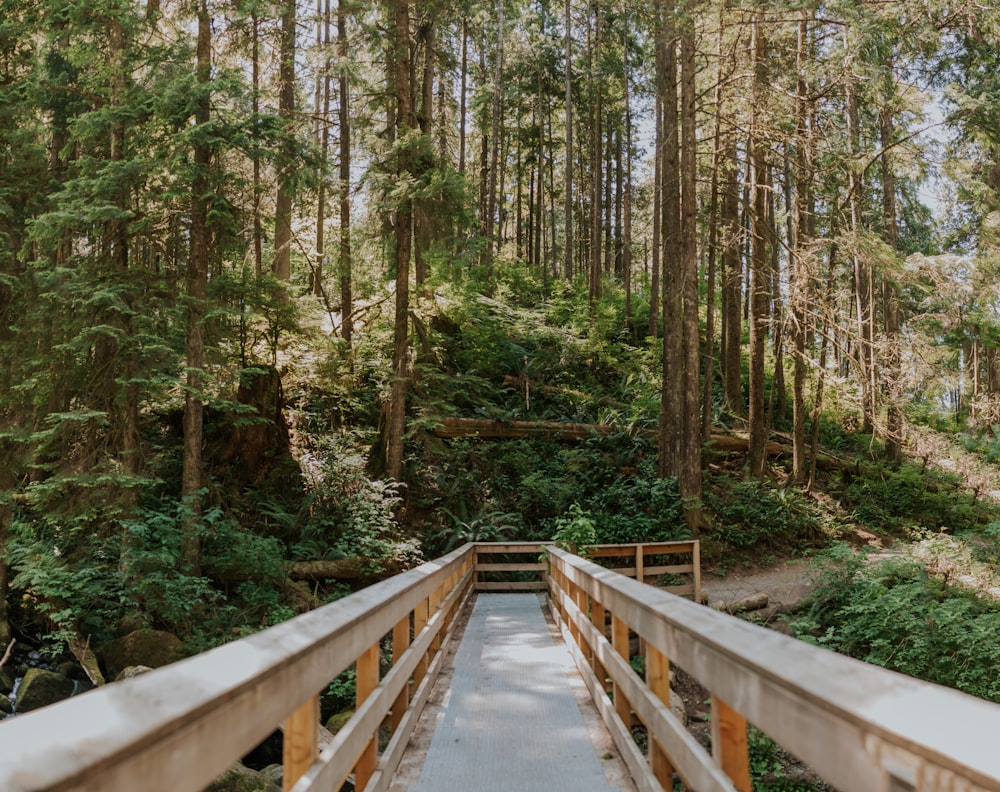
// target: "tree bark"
[[568, 251], [345, 264], [892, 369], [760, 260], [282, 266], [689, 479], [197, 280], [491, 201], [406, 122], [323, 121]]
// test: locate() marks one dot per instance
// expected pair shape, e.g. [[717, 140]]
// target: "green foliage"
[[575, 531], [485, 527], [910, 497], [348, 514], [751, 514], [896, 615]]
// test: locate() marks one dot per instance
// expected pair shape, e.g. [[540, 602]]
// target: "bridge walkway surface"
[[514, 713]]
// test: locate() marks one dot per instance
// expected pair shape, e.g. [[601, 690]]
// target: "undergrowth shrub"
[[749, 514], [888, 500], [897, 616]]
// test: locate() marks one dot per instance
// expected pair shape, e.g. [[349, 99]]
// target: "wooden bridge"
[[177, 728]]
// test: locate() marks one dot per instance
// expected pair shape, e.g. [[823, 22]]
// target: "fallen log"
[[486, 429], [354, 568], [753, 602]]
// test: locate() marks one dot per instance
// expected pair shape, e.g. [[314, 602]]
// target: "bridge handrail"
[[858, 726], [179, 727]]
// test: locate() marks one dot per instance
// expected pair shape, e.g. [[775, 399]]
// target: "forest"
[[295, 295]]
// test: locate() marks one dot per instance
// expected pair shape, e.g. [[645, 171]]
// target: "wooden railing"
[[176, 729], [645, 563], [521, 567], [859, 727]]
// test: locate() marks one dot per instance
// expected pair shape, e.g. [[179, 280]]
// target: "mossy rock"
[[153, 648], [274, 773], [132, 672], [337, 722], [5, 706], [39, 688], [6, 681], [72, 670], [240, 778]]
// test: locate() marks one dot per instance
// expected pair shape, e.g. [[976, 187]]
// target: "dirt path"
[[786, 584]]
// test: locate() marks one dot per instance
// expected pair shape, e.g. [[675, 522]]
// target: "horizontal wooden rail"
[[861, 728], [646, 572], [521, 567], [177, 728]]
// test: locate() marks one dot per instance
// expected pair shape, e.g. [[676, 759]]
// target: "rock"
[[336, 723], [39, 688], [240, 778], [6, 681], [677, 707], [132, 671], [153, 648], [274, 773], [72, 670], [6, 708]]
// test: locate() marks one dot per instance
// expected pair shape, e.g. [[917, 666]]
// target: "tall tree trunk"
[[653, 326], [462, 96], [491, 206], [568, 252], [405, 119], [596, 159], [258, 190], [197, 280], [800, 275], [862, 271], [627, 210], [422, 209], [759, 258], [689, 479], [345, 264], [671, 436], [282, 266], [892, 369], [323, 121]]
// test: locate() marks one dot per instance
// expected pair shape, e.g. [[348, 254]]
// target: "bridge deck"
[[510, 718]]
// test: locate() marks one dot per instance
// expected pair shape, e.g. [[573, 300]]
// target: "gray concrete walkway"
[[510, 719]]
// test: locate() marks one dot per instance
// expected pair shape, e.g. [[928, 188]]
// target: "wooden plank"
[[366, 681], [513, 567], [658, 681], [400, 643], [620, 642], [729, 744], [640, 563], [488, 548], [521, 585], [599, 618], [672, 569], [421, 615], [696, 563], [300, 742]]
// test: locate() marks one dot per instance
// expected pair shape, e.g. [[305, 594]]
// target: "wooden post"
[[640, 562], [367, 681], [400, 643], [729, 743], [598, 617], [696, 563], [300, 742], [433, 605], [572, 593], [658, 681], [420, 618], [619, 639], [583, 603]]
